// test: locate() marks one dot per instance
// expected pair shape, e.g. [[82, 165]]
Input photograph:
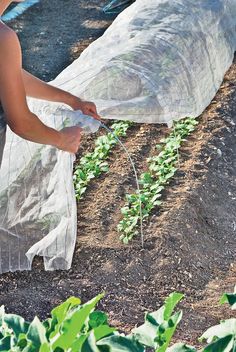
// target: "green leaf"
[[97, 318], [229, 298], [22, 341], [90, 345], [146, 334], [103, 331], [125, 240], [170, 303], [180, 347], [160, 326], [224, 344], [36, 334], [45, 347], [5, 344], [78, 342], [16, 323], [73, 323], [120, 343], [166, 331], [60, 312], [225, 328]]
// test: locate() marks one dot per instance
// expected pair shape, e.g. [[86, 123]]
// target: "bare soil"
[[189, 242]]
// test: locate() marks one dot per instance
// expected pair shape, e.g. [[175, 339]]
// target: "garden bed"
[[189, 242]]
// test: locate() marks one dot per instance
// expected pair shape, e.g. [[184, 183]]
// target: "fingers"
[[92, 113], [95, 116]]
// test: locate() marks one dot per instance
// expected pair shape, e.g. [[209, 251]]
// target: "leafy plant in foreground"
[[76, 327], [93, 164], [161, 169]]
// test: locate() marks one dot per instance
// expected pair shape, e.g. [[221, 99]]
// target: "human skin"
[[16, 84]]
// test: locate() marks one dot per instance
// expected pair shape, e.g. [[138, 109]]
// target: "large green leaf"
[[159, 326], [89, 345], [73, 323], [225, 344], [147, 332], [118, 343], [170, 303], [181, 347], [16, 323], [22, 341], [45, 347], [103, 331], [78, 342], [97, 318], [36, 334], [5, 344], [225, 328], [166, 330], [59, 314], [60, 311]]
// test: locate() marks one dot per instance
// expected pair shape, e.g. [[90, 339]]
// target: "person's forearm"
[[36, 88], [33, 129], [3, 5]]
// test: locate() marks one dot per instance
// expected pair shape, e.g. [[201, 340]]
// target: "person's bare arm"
[[13, 99], [36, 88], [39, 89]]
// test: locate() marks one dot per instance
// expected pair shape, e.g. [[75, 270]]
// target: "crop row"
[[93, 164], [161, 168]]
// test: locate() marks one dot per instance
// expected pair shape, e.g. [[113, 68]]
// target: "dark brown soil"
[[53, 33], [189, 242]]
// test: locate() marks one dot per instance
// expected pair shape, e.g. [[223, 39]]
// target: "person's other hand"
[[70, 139]]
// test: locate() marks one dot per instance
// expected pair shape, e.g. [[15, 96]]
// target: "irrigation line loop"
[[136, 177]]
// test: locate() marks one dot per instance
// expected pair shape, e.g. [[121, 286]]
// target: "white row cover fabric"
[[159, 61]]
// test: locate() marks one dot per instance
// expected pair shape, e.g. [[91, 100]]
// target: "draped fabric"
[[2, 133], [159, 61]]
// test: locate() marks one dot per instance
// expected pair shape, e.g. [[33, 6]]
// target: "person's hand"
[[87, 107], [70, 139]]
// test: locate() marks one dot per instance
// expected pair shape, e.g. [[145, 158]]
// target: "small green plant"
[[76, 327], [93, 164], [161, 169]]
